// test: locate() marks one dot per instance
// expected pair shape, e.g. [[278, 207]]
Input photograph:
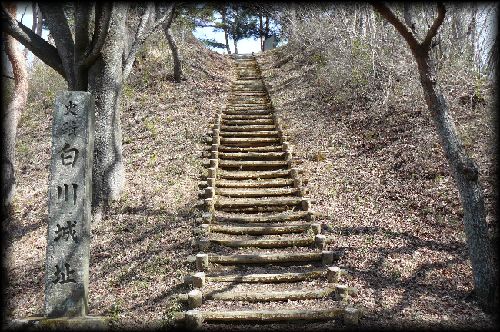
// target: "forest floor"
[[378, 175]]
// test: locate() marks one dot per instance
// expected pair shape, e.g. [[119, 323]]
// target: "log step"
[[269, 315], [260, 111], [253, 174], [266, 258], [293, 295], [251, 155], [248, 140], [262, 229], [272, 133], [246, 116], [264, 244], [236, 192], [247, 122], [252, 202], [252, 163], [248, 127], [274, 183], [268, 148], [265, 218], [248, 107], [250, 93], [268, 277], [257, 209]]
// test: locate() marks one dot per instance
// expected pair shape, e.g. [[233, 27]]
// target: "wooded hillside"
[[347, 91]]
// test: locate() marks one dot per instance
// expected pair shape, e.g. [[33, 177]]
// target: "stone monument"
[[70, 194], [68, 233]]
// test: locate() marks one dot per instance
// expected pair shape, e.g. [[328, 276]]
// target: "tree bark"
[[11, 115], [235, 46], [261, 33], [466, 174], [106, 82], [465, 171], [224, 25], [173, 46]]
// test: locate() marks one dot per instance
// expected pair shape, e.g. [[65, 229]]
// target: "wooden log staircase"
[[261, 256]]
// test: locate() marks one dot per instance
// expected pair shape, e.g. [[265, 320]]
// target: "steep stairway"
[[261, 256]]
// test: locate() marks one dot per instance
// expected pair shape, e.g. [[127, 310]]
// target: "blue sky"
[[247, 45]]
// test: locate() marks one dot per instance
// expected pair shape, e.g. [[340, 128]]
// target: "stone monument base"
[[61, 323]]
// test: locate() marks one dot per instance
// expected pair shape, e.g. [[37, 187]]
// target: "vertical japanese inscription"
[[70, 192]]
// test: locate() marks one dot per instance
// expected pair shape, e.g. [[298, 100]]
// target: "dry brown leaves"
[[384, 190]]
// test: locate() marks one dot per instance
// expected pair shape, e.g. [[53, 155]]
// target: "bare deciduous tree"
[[99, 64], [464, 169]]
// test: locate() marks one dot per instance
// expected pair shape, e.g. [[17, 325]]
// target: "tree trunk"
[[266, 32], [11, 115], [261, 33], [175, 55], [173, 46], [235, 46], [464, 169], [466, 174], [224, 24], [105, 82]]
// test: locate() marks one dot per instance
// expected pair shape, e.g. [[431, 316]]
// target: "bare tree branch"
[[435, 26], [59, 29], [36, 44], [143, 32], [82, 16], [140, 36], [385, 11], [101, 27]]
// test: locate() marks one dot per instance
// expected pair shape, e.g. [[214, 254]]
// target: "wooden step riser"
[[246, 116], [230, 122], [256, 209], [226, 134], [253, 175], [236, 149], [247, 128], [272, 296], [269, 278], [251, 164], [233, 203], [244, 107], [263, 244], [264, 219], [252, 155], [256, 230], [255, 184], [259, 142], [260, 192], [308, 257], [194, 318], [261, 111]]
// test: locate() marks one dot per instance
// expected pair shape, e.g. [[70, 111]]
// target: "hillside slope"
[[383, 188], [139, 250]]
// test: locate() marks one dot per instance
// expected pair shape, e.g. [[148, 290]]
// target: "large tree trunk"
[[105, 82], [11, 114], [466, 174], [235, 46]]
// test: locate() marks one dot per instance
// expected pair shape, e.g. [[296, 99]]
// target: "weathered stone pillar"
[[70, 194]]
